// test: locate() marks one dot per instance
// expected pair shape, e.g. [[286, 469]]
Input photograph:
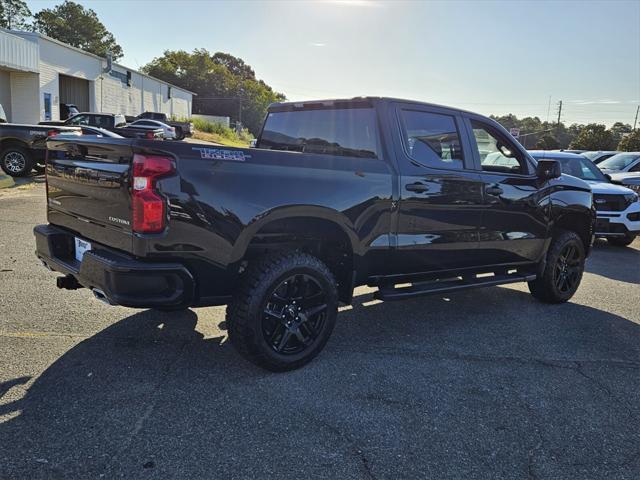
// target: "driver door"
[[513, 227]]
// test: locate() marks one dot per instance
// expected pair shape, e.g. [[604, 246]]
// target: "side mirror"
[[548, 169]]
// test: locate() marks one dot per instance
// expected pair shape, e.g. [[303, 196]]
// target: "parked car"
[[169, 132], [628, 179], [183, 129], [23, 147], [598, 157], [617, 207], [621, 163], [99, 132], [113, 122], [336, 194]]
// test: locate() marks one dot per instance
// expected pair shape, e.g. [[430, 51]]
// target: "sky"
[[491, 57]]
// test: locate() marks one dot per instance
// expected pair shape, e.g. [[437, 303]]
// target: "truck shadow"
[[398, 385]]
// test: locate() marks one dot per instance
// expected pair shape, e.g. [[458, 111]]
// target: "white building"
[[38, 73]]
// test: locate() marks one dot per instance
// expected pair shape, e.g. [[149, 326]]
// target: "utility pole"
[[559, 112], [635, 122]]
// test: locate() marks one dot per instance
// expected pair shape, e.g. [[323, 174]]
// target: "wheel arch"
[[322, 232], [579, 222]]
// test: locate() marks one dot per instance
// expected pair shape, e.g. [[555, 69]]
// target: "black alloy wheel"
[[294, 315]]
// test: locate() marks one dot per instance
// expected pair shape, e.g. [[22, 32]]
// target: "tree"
[[547, 142], [14, 15], [71, 23], [225, 84], [631, 142], [593, 136], [235, 65], [619, 130]]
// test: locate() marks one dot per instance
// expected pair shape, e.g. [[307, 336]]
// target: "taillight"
[[52, 133], [150, 135], [149, 208]]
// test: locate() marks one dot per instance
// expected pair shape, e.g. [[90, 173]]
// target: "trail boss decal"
[[219, 154]]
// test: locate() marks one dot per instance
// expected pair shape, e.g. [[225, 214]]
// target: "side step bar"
[[450, 285]]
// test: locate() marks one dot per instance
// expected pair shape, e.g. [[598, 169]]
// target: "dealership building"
[[38, 73]]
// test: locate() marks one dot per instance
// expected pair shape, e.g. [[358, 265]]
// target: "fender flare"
[[288, 212]]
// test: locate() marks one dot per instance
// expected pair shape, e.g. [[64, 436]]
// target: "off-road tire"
[[545, 288], [245, 313], [622, 241], [13, 157]]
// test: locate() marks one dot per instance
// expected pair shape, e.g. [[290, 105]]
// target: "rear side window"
[[349, 132], [432, 139]]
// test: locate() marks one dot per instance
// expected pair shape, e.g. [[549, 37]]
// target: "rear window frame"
[[338, 105], [466, 162]]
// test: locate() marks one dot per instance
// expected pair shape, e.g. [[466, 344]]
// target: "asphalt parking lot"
[[482, 384]]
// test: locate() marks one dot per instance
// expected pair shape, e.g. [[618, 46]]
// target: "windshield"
[[590, 155], [581, 168], [619, 161], [3, 116]]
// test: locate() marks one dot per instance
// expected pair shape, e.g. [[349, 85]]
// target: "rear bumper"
[[114, 276]]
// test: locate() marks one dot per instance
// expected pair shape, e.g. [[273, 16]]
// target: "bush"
[[223, 132]]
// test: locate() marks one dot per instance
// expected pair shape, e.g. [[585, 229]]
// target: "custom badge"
[[220, 154]]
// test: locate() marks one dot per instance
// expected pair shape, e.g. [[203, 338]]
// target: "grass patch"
[[218, 133]]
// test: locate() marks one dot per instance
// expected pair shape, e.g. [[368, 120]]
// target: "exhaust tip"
[[100, 295]]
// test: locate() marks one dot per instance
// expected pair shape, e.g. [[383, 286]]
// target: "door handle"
[[495, 191], [416, 187]]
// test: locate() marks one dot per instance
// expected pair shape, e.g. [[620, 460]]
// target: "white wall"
[[56, 59], [106, 93]]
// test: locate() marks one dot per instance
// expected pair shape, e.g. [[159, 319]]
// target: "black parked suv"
[[338, 193]]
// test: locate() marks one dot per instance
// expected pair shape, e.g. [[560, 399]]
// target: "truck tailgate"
[[88, 188]]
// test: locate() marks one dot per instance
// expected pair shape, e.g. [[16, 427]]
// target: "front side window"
[[432, 139], [497, 154], [350, 132]]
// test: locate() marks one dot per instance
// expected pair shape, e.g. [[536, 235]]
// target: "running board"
[[451, 285]]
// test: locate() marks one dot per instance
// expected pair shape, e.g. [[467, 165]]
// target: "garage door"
[[76, 91], [5, 92]]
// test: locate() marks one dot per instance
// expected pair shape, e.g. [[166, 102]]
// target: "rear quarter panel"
[[224, 196]]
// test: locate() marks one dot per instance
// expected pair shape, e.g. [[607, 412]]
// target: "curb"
[[6, 181]]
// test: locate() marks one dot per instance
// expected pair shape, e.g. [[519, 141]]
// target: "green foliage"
[[71, 23], [551, 135], [226, 79], [593, 136], [14, 15], [547, 142], [619, 130], [631, 142], [223, 132]]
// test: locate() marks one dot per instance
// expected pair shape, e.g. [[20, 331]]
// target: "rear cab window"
[[349, 131]]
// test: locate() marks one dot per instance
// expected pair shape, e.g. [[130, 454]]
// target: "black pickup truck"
[[23, 147], [113, 122], [183, 129], [367, 191]]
